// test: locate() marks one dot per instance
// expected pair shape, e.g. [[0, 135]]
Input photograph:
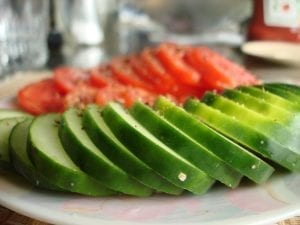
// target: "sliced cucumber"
[[9, 113], [295, 89], [271, 98], [91, 160], [51, 160], [244, 135], [266, 126], [20, 159], [153, 152], [6, 125], [286, 93], [185, 146], [264, 108], [239, 158], [102, 136]]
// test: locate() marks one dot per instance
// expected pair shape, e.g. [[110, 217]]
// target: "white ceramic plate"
[[248, 204], [281, 52]]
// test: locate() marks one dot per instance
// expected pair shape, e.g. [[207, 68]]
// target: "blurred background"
[[83, 33]]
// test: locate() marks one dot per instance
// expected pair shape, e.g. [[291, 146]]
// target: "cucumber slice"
[[244, 135], [6, 125], [90, 159], [266, 126], [20, 159], [267, 109], [102, 136], [295, 89], [288, 94], [9, 113], [271, 98], [185, 146], [51, 160], [239, 158], [153, 152]]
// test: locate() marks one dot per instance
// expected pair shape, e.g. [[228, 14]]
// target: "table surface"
[[262, 69]]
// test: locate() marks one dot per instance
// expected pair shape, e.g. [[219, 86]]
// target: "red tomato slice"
[[172, 60], [99, 77], [217, 71], [123, 72], [156, 68], [41, 97], [141, 70], [67, 78], [81, 96], [125, 95]]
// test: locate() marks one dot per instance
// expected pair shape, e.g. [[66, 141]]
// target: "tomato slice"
[[124, 73], [100, 77], [126, 95], [67, 78], [41, 97], [80, 97], [217, 72], [141, 70], [174, 63]]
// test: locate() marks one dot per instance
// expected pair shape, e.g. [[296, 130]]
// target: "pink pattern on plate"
[[131, 208]]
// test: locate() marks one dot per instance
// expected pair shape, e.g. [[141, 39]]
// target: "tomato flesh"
[[124, 73], [67, 78], [217, 72], [176, 66], [41, 97]]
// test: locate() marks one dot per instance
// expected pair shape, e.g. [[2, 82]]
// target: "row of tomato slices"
[[169, 69]]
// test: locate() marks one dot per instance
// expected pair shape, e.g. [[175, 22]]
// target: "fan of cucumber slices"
[[242, 132]]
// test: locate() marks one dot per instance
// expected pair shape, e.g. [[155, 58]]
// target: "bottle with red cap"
[[276, 20]]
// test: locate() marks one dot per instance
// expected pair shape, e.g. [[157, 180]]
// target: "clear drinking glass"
[[24, 26]]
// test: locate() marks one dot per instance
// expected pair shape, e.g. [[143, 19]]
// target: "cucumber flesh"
[[103, 137], [20, 159], [270, 128], [238, 157], [50, 159], [6, 125], [244, 135], [91, 160], [153, 152], [9, 113], [185, 146]]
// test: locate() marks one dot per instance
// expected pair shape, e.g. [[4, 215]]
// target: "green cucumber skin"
[[153, 152], [91, 160], [292, 88], [6, 125], [268, 127], [50, 159], [244, 135], [267, 96], [245, 162], [20, 160], [102, 136], [185, 146]]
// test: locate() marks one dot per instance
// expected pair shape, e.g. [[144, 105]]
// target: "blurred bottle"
[[24, 28], [83, 24], [277, 20]]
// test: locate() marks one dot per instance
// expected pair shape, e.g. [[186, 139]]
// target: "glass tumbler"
[[24, 26]]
